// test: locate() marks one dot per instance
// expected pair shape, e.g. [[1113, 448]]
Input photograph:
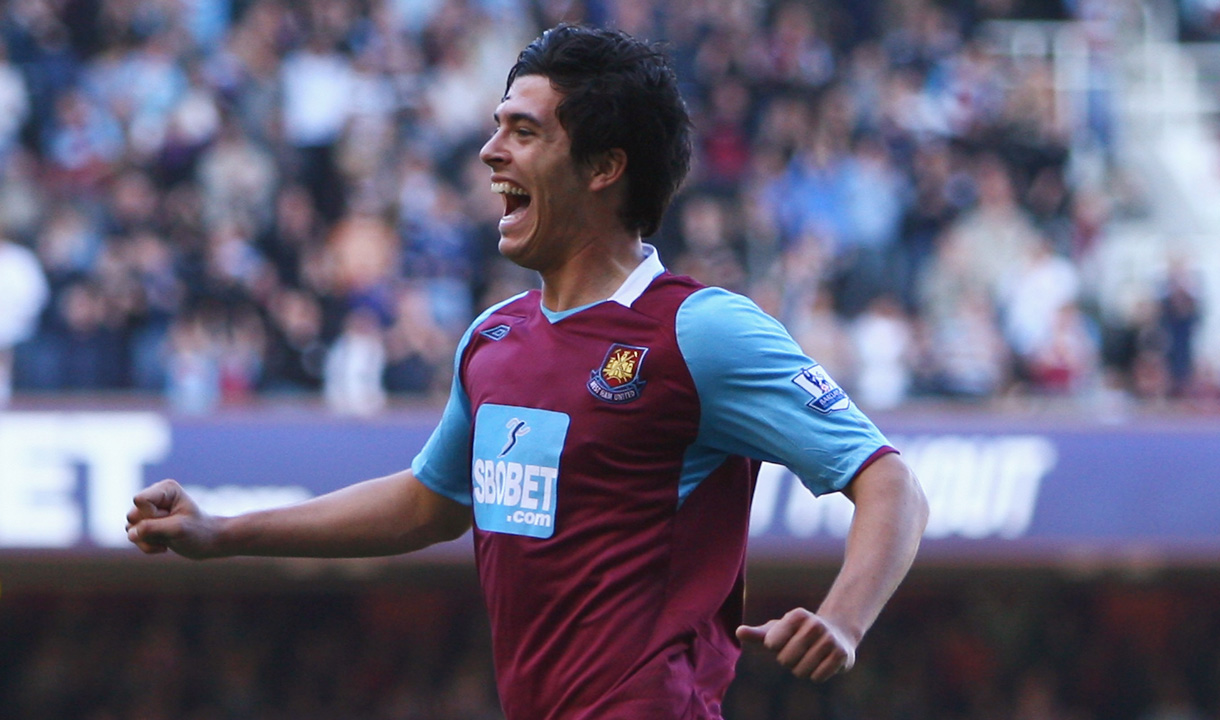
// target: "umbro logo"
[[495, 333]]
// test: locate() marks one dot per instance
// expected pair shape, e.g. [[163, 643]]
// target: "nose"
[[493, 153]]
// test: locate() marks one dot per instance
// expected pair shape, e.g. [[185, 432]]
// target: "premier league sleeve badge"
[[827, 395]]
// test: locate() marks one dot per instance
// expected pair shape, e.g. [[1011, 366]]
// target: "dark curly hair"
[[618, 92]]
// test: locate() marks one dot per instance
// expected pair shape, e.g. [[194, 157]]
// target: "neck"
[[592, 274]]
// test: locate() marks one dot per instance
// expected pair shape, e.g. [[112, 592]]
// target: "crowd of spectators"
[[1020, 646], [239, 198]]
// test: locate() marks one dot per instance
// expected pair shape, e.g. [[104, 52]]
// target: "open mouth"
[[516, 199]]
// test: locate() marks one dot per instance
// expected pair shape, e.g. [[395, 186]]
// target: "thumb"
[[156, 531], [754, 633], [144, 536]]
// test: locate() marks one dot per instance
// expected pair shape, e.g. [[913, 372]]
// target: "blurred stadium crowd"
[[1016, 648], [239, 198]]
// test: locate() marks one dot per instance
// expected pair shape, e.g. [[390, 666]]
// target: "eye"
[[523, 132]]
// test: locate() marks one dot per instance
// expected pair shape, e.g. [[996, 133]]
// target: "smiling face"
[[546, 193]]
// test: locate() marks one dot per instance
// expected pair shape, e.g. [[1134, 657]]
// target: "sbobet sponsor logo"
[[515, 469], [531, 488]]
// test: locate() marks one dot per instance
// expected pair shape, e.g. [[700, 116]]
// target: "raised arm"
[[384, 516], [889, 520]]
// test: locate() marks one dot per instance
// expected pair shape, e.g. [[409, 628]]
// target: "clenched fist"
[[807, 644]]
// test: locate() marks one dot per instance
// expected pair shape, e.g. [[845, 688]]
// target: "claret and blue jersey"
[[608, 454]]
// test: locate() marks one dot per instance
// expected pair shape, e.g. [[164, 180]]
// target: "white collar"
[[640, 278]]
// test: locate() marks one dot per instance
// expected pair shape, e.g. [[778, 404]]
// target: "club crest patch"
[[618, 378], [827, 395], [495, 333]]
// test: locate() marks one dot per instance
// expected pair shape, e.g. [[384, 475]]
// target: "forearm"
[[889, 520], [383, 516]]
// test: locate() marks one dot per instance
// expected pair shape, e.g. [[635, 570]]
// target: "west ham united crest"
[[618, 379]]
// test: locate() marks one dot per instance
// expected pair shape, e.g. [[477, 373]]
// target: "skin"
[[385, 516], [570, 231], [890, 516], [571, 234]]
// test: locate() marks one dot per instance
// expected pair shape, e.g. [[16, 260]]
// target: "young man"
[[602, 433]]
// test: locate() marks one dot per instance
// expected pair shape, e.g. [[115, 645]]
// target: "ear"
[[606, 169]]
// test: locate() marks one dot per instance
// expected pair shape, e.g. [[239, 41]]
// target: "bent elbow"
[[443, 525], [916, 500], [452, 528], [921, 504]]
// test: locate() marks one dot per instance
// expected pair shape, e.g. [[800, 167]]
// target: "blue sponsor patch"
[[495, 333], [515, 469], [827, 395]]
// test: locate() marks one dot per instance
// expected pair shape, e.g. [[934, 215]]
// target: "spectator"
[[193, 382], [419, 350], [793, 52], [130, 204], [724, 138], [1035, 294], [294, 231], [158, 295], [22, 197], [87, 347], [824, 336], [242, 353], [997, 234], [365, 252], [296, 346], [237, 178], [1180, 315], [965, 355], [14, 103], [23, 293], [317, 85], [1065, 361], [884, 344], [705, 224], [83, 143], [355, 364], [875, 194]]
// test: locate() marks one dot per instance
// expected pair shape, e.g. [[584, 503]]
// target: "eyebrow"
[[518, 117]]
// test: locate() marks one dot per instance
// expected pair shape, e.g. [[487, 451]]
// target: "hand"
[[166, 518], [807, 644]]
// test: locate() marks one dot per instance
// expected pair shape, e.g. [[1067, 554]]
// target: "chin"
[[516, 249], [508, 247]]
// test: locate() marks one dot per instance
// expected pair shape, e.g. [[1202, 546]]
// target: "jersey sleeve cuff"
[[877, 454], [424, 477]]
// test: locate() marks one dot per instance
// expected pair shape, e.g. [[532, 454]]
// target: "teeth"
[[508, 189]]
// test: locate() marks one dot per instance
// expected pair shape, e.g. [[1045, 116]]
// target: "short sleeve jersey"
[[609, 455]]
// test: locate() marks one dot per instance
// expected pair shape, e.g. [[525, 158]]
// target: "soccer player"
[[602, 434]]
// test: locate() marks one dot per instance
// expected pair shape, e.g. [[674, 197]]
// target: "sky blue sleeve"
[[443, 465], [762, 397]]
